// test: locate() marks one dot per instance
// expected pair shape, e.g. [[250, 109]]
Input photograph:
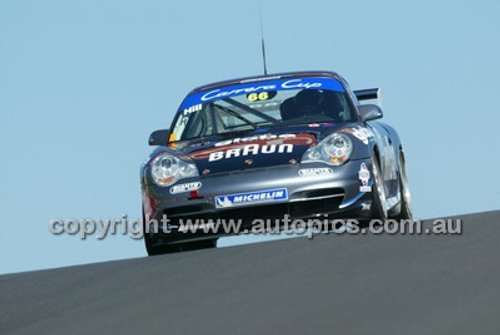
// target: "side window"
[[198, 124]]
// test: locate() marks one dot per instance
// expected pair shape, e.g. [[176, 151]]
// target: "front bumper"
[[334, 195]]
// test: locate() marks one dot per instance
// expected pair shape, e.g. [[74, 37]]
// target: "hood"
[[257, 148]]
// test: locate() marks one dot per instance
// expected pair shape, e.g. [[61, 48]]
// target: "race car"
[[297, 144]]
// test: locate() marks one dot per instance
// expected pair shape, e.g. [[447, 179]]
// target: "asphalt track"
[[362, 284]]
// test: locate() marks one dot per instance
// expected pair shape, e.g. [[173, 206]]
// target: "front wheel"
[[153, 247], [404, 191], [379, 208], [160, 249]]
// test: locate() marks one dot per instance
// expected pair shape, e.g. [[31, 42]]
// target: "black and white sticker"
[[187, 187], [315, 172], [361, 134], [364, 177]]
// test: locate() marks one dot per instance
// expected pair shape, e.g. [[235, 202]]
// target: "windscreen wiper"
[[236, 115]]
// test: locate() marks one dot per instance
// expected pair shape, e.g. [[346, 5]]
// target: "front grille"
[[192, 209], [323, 192], [307, 204], [310, 208], [248, 214]]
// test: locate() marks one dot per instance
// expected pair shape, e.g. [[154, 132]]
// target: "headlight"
[[336, 149], [167, 169]]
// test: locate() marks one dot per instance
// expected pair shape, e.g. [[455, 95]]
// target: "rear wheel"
[[404, 191], [153, 247], [379, 209]]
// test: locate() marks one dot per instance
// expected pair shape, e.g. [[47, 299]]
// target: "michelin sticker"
[[183, 188], [315, 172], [364, 176], [241, 199]]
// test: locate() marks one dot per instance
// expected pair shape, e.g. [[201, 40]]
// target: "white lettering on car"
[[287, 85], [250, 149], [215, 94], [192, 109], [254, 138], [297, 83]]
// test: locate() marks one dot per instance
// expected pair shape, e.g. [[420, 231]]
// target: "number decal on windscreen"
[[268, 95]]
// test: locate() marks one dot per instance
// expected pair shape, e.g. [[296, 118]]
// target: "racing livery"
[[296, 144]]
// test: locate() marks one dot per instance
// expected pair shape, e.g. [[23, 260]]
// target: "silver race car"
[[294, 145]]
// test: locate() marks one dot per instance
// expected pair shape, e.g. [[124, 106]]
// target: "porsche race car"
[[295, 144]]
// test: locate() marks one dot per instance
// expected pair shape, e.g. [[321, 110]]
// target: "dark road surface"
[[332, 284]]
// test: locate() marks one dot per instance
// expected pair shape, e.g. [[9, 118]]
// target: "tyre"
[[404, 191], [379, 208], [154, 248]]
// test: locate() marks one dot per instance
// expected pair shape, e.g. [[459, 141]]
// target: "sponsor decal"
[[364, 176], [241, 199], [253, 145], [187, 187], [264, 137], [361, 134], [264, 86], [192, 109], [250, 149], [315, 172], [287, 85]]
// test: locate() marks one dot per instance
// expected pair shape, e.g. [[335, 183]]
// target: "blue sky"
[[83, 83]]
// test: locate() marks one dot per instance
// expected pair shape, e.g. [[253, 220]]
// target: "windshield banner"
[[319, 83]]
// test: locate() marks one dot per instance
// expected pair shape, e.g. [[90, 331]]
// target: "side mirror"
[[159, 137], [370, 112]]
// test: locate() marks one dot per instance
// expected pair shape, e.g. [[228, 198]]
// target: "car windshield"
[[260, 104]]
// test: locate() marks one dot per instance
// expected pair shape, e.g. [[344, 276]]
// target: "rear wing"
[[368, 94]]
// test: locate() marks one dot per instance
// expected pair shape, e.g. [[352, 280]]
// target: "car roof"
[[267, 77]]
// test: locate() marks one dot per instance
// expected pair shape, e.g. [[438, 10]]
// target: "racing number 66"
[[258, 96]]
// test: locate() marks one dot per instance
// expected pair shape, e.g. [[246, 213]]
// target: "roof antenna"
[[262, 38]]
